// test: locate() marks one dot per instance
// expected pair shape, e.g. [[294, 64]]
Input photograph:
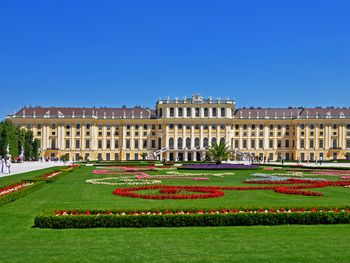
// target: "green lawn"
[[19, 242]]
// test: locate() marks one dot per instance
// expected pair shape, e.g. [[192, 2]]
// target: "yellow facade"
[[186, 127]]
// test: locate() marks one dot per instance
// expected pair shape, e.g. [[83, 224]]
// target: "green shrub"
[[50, 220], [21, 193]]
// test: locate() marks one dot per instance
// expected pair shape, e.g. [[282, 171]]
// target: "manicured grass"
[[20, 242]]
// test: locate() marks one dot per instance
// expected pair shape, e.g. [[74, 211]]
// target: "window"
[[302, 144], [302, 126], [116, 144], [179, 143], [180, 112], [67, 144], [160, 112], [279, 144], [171, 143], [287, 143], [136, 144], [261, 144], [222, 112], [206, 113], [171, 125], [311, 143], [334, 126], [206, 142], [188, 143], [271, 127], [145, 126], [153, 144], [236, 144], [252, 144], [87, 144], [213, 140], [335, 144], [144, 144], [244, 144], [179, 126], [127, 142], [347, 143], [320, 144], [77, 144], [197, 112], [214, 112], [271, 144], [196, 143], [108, 144], [171, 112], [99, 144], [188, 112], [222, 140]]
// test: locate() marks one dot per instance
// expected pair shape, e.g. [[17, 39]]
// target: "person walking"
[[2, 165], [8, 165]]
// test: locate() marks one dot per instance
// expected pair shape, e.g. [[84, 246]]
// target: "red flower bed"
[[171, 192], [174, 192], [13, 188]]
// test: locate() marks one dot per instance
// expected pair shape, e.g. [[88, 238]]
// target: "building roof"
[[268, 113], [67, 112]]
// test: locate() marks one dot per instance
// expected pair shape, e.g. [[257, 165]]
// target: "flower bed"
[[291, 186], [124, 180], [18, 190], [171, 192], [217, 167], [185, 218], [13, 188]]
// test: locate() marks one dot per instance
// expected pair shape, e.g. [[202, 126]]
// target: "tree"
[[347, 155], [219, 152], [144, 155]]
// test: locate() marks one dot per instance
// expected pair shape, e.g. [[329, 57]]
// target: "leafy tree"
[[219, 152]]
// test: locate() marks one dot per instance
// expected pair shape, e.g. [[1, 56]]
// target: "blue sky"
[[111, 53]]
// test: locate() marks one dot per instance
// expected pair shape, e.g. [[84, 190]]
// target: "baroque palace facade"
[[182, 129]]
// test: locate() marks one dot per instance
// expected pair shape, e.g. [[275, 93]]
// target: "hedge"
[[106, 220], [21, 193]]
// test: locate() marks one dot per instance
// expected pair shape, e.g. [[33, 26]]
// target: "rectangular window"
[[99, 144], [144, 144], [244, 144], [214, 113], [311, 143], [270, 144], [136, 144], [347, 143], [320, 144], [236, 144], [252, 144], [67, 144], [261, 144], [180, 112], [77, 144], [287, 143], [108, 144], [87, 144], [116, 144], [302, 144], [153, 143], [127, 144]]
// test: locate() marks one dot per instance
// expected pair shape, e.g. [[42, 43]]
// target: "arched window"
[[171, 143], [214, 113], [179, 143], [196, 143], [205, 142], [213, 141], [197, 112], [179, 112], [222, 112], [188, 143], [206, 112], [188, 112], [222, 140], [171, 112]]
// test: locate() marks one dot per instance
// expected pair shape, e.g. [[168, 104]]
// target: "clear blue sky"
[[110, 53]]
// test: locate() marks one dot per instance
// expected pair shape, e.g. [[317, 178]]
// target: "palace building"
[[182, 129]]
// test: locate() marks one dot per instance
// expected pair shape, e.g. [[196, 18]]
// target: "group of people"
[[5, 166]]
